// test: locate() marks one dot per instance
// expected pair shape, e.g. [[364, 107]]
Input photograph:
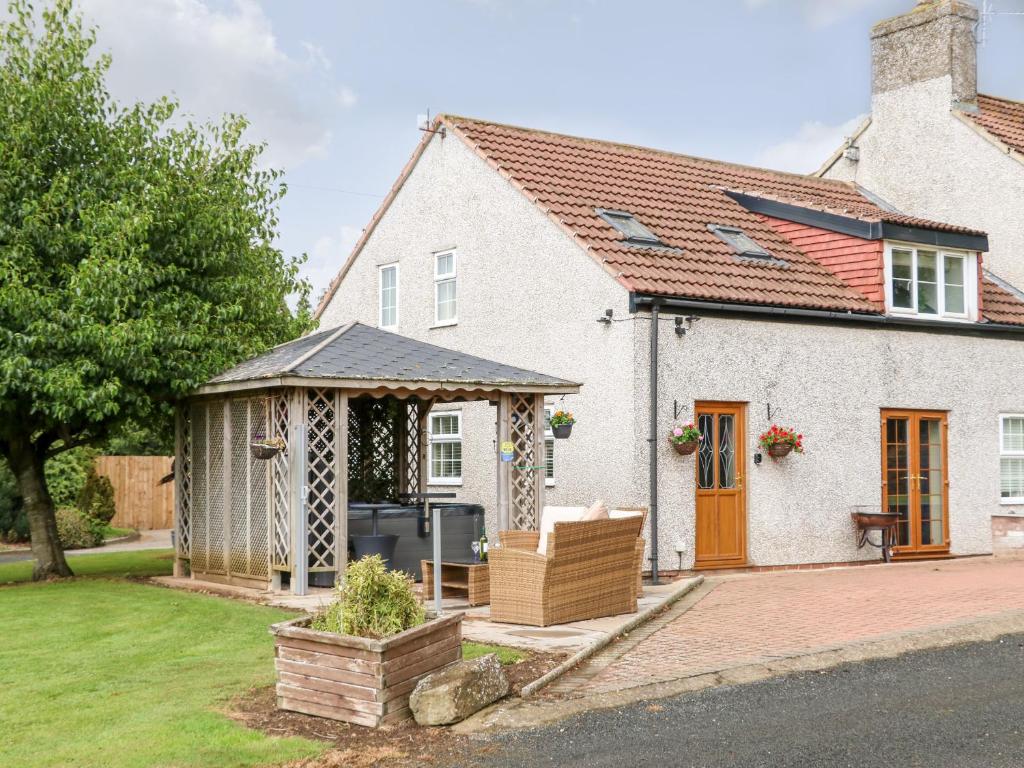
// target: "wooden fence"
[[142, 502]]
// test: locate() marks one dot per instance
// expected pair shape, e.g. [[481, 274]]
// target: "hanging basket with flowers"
[[781, 441], [561, 424], [685, 438], [263, 448]]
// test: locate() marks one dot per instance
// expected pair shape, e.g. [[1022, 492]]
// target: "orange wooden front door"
[[721, 503], [915, 480]]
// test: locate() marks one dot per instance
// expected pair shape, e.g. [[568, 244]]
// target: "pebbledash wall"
[[528, 295]]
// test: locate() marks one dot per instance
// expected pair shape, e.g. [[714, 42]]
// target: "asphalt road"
[[958, 707]]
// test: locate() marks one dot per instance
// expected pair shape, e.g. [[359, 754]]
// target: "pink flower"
[[678, 432]]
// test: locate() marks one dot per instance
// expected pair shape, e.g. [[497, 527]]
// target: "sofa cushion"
[[551, 515], [598, 511]]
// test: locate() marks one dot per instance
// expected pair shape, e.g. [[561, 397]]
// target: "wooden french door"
[[721, 503], [915, 480]]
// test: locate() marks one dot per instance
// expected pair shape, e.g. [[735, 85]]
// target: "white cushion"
[[551, 515]]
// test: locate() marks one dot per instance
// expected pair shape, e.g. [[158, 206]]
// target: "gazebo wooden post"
[[298, 474], [504, 468], [341, 480]]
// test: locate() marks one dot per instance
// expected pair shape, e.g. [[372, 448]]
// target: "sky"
[[335, 87]]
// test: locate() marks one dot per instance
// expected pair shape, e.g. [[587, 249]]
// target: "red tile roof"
[[1000, 305], [1002, 118], [677, 197]]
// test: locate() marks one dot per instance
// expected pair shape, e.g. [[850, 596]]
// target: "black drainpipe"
[[653, 440]]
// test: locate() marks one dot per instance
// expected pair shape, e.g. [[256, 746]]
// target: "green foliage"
[[154, 439], [373, 602], [66, 473], [13, 523], [96, 499], [506, 655], [78, 531], [137, 254]]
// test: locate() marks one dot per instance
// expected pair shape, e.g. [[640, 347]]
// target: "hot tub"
[[461, 525]]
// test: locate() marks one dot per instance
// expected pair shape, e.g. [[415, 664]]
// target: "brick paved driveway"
[[755, 619]]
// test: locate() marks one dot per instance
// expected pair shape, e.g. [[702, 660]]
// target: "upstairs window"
[[931, 283], [388, 304], [740, 242], [627, 224], [549, 447], [445, 289]]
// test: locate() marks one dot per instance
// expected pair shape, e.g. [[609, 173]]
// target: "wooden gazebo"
[[351, 405]]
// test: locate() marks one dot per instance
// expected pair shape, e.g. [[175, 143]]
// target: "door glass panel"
[[897, 474], [726, 451], [931, 482], [706, 451]]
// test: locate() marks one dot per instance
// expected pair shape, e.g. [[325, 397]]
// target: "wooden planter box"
[[356, 679]]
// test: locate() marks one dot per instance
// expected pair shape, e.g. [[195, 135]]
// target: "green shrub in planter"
[[76, 531], [373, 602], [96, 499]]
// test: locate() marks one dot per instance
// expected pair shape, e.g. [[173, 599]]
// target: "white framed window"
[[446, 448], [387, 281], [930, 282], [549, 448], [1011, 458], [446, 304]]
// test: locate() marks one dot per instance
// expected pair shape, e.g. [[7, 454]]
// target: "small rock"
[[457, 691]]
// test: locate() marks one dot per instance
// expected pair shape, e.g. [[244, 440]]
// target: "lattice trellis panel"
[[200, 488], [238, 456], [215, 495], [183, 483], [413, 444], [523, 512], [259, 485], [323, 477], [280, 520], [373, 449]]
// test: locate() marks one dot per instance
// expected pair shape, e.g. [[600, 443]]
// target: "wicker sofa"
[[588, 571]]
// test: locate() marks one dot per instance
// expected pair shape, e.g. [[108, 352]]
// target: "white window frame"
[[380, 294], [549, 447], [970, 313], [1003, 453], [442, 278], [445, 438]]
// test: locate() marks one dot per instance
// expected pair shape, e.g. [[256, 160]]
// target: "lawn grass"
[[99, 671], [110, 532], [505, 655]]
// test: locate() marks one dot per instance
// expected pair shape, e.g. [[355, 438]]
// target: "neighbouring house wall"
[[856, 261], [830, 382], [527, 296], [1008, 534], [920, 157]]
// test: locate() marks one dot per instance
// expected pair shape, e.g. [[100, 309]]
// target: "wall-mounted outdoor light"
[[606, 318]]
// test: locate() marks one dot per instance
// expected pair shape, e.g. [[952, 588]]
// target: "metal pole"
[[437, 556], [653, 440]]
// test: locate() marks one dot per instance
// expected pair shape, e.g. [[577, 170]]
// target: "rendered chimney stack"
[[936, 39]]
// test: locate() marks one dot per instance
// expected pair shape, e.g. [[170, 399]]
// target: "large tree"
[[137, 255]]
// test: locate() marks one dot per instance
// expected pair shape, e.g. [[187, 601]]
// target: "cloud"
[[819, 13], [220, 58], [328, 254], [812, 145]]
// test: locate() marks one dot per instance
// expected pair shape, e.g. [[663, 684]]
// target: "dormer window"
[[626, 223], [929, 282], [740, 242]]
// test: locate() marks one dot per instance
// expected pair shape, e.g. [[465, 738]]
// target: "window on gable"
[[388, 286], [626, 223], [445, 289], [446, 448], [740, 242], [929, 282], [1011, 459]]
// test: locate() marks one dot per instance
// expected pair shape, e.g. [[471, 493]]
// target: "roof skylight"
[[627, 224], [743, 244]]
